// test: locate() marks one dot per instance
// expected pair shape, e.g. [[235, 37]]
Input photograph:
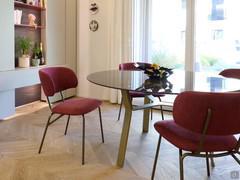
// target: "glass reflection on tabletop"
[[157, 85], [178, 82]]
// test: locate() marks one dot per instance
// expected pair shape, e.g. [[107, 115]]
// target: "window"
[[207, 42], [167, 31], [217, 34], [216, 41]]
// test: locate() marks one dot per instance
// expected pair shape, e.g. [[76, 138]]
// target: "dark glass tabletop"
[[178, 82]]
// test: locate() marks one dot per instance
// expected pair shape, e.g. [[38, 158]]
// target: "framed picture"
[[93, 25]]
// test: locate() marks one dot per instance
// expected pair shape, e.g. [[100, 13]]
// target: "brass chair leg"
[[161, 108], [120, 109], [83, 140], [207, 163], [44, 134], [181, 158], [67, 125], [156, 157], [100, 117]]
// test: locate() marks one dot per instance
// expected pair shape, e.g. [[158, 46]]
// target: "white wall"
[[6, 35], [7, 97], [61, 33], [56, 32], [92, 46], [83, 46]]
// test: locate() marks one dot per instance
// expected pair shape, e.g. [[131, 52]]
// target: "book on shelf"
[[17, 16]]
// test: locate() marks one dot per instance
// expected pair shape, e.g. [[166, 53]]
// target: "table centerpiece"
[[155, 71]]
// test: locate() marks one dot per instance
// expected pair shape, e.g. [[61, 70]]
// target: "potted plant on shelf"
[[24, 45], [36, 58]]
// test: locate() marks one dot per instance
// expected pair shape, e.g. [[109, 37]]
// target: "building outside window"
[[217, 11]]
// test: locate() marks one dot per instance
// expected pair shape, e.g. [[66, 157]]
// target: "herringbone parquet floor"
[[61, 155]]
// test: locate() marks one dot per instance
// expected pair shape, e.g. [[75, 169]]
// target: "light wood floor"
[[61, 156]]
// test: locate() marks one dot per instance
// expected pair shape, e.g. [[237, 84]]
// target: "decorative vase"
[[35, 62], [154, 76], [24, 61]]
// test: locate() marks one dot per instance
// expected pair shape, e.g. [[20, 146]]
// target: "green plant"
[[24, 44], [209, 60], [36, 51], [166, 59]]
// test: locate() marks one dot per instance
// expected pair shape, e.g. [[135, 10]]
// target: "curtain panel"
[[120, 38], [105, 48]]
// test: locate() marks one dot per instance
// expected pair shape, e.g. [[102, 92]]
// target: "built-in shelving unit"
[[28, 26], [36, 33], [24, 5], [58, 33]]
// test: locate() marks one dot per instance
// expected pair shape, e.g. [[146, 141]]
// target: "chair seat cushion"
[[189, 141], [76, 106], [136, 94]]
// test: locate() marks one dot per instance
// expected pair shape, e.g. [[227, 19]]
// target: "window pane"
[[217, 34], [167, 32]]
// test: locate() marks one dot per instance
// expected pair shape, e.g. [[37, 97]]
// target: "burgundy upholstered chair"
[[230, 73], [56, 80], [135, 94], [208, 125]]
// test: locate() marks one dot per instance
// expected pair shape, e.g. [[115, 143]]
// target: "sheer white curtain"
[[106, 48], [121, 37], [141, 28]]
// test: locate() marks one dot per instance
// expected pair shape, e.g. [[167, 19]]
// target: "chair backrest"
[[231, 73], [131, 66], [56, 79], [190, 111]]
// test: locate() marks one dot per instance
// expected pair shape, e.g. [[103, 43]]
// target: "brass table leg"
[[125, 129], [146, 115]]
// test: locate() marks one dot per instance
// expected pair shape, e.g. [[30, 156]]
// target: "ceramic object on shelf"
[[35, 62], [24, 61]]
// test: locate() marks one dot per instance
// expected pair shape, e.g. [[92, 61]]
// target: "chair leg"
[[161, 108], [67, 125], [212, 161], [162, 112], [83, 140], [181, 158], [44, 134], [100, 117], [236, 159], [207, 163], [156, 157], [151, 113], [120, 109]]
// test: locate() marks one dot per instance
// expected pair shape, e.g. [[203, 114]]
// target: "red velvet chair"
[[56, 80], [208, 125], [134, 94], [230, 73]]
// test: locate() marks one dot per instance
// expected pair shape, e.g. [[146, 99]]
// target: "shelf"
[[24, 5], [28, 26], [30, 67]]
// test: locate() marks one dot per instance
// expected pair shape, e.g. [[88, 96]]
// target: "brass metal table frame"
[[149, 102]]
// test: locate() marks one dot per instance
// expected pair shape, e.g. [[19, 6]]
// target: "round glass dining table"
[[178, 82]]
